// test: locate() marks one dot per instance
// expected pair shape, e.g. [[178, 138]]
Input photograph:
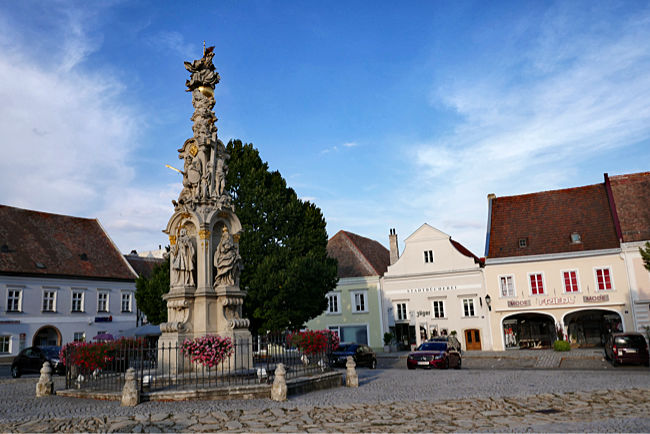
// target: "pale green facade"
[[354, 312]]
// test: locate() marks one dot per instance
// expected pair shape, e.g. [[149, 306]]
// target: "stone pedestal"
[[45, 385]]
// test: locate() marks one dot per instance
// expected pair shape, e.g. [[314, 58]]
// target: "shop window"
[[333, 302], [4, 344], [603, 279], [570, 281], [80, 336], [468, 307], [400, 310], [438, 309], [357, 334], [507, 286], [14, 300], [536, 284]]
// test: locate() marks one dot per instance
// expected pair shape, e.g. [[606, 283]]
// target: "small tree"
[[645, 254], [149, 293]]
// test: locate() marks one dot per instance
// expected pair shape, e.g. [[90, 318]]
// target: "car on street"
[[435, 354], [31, 359], [452, 340], [362, 354], [624, 348]]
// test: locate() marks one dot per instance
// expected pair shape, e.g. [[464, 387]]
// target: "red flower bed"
[[313, 341], [89, 356], [209, 350]]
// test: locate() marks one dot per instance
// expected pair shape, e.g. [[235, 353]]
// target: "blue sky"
[[385, 116]]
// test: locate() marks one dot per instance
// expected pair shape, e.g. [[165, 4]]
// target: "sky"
[[384, 115]]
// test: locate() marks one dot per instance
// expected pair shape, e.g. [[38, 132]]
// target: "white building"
[[435, 288], [61, 279]]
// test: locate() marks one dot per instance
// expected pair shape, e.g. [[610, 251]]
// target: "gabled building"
[[354, 307], [435, 287], [553, 261], [61, 279], [631, 196]]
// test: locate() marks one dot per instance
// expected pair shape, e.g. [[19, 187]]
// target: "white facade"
[[435, 289], [55, 311]]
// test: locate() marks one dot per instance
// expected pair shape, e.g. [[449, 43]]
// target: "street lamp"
[[488, 301]]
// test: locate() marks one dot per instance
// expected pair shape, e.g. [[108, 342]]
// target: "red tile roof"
[[39, 243], [547, 219], [465, 251], [358, 256], [632, 198], [143, 265]]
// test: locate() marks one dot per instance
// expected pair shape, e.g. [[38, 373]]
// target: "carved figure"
[[227, 261], [203, 71], [183, 260]]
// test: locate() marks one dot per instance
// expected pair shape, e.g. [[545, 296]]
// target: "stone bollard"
[[279, 388], [130, 395], [351, 377], [45, 386]]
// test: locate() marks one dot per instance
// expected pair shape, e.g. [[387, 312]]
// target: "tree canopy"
[[645, 254], [149, 292]]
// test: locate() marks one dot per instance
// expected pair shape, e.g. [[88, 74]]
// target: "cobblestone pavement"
[[394, 400]]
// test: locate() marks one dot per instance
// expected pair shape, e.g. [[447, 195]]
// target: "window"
[[49, 300], [400, 309], [570, 281], [79, 336], [536, 284], [468, 307], [333, 302], [438, 309], [428, 256], [523, 242], [575, 238], [102, 302], [357, 334], [126, 302], [604, 279], [4, 344], [14, 299], [359, 302], [77, 301], [507, 286]]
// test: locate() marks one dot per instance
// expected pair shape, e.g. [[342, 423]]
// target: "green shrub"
[[388, 338], [561, 345]]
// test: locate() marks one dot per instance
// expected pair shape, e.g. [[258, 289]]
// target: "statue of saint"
[[183, 260], [227, 261]]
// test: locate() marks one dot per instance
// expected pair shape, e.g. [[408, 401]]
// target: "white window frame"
[[19, 301], [79, 336], [572, 270], [336, 295], [5, 340], [397, 311], [108, 298], [130, 295], [336, 329], [428, 257], [530, 287], [82, 307], [353, 298], [52, 300], [470, 303], [611, 279], [514, 286], [442, 307]]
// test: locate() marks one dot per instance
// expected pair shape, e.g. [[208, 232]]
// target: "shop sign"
[[104, 318], [518, 303], [552, 301], [421, 313], [595, 298], [436, 288]]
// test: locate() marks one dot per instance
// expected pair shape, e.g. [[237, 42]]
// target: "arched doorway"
[[529, 330], [590, 327], [47, 336]]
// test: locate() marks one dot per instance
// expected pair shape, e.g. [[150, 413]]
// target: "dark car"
[[452, 340], [30, 361], [362, 354], [435, 354], [629, 347]]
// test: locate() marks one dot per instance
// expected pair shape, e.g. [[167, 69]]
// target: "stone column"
[[351, 377], [279, 388], [45, 386]]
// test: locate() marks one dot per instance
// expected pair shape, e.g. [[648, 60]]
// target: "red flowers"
[[313, 341], [96, 355], [209, 350]]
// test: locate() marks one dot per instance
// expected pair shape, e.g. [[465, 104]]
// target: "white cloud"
[[174, 42], [350, 144]]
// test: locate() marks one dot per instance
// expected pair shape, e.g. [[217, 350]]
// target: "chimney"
[[394, 250]]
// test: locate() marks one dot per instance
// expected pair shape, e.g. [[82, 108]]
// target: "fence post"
[[45, 386], [351, 377], [130, 395]]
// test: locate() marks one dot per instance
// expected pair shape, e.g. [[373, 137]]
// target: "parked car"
[[628, 347], [435, 354], [30, 360], [452, 340], [362, 354]]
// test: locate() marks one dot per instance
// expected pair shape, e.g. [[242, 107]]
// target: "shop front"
[[590, 328], [529, 330]]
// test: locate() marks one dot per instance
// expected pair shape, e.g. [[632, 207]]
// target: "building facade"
[[354, 307], [435, 288], [554, 269], [61, 279]]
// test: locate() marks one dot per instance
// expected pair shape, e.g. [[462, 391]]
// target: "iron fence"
[[165, 367]]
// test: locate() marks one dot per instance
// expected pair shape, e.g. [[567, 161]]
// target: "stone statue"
[[203, 71], [227, 261], [183, 260]]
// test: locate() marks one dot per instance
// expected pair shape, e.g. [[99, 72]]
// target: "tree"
[[287, 272], [645, 254], [149, 292]]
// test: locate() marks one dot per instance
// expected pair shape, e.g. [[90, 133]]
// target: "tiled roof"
[[546, 220], [465, 251], [39, 243], [632, 198], [143, 265], [358, 256]]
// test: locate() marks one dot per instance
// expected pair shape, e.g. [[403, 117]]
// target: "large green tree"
[[645, 254], [287, 272], [149, 292]]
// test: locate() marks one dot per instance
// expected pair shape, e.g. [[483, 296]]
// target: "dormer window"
[[575, 238], [523, 242], [428, 256]]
